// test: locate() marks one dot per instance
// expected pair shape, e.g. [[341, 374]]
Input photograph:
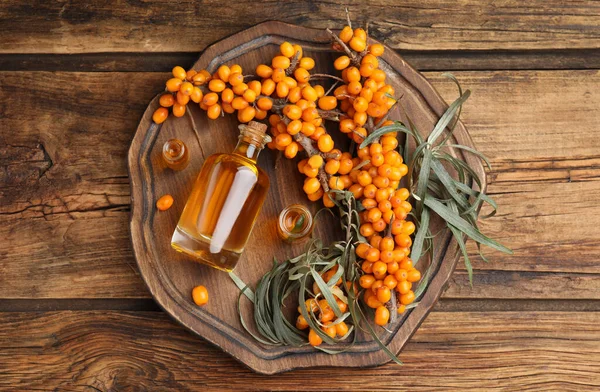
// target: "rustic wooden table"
[[75, 79]]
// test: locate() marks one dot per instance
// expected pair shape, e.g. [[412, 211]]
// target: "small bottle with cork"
[[224, 204]]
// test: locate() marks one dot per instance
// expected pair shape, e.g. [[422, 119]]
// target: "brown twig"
[[348, 18], [323, 76], [293, 64], [353, 57], [310, 150]]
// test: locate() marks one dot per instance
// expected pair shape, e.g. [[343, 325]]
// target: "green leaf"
[[464, 226], [447, 117], [242, 286], [396, 127], [417, 246], [461, 243]]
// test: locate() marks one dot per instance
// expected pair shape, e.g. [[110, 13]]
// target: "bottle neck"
[[247, 149]]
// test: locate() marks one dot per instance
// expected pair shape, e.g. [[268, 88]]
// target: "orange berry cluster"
[[224, 91], [321, 309], [365, 93]]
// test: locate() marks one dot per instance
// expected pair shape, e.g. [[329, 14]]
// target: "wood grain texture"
[[189, 26], [78, 155], [106, 351]]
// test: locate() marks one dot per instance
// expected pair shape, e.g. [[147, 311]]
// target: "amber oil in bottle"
[[175, 154], [224, 204], [295, 223]]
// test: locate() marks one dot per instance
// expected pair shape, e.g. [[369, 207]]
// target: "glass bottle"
[[224, 204], [175, 154], [295, 223]]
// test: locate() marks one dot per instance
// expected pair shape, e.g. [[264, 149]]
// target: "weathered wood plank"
[[422, 60], [146, 351], [64, 192], [80, 27]]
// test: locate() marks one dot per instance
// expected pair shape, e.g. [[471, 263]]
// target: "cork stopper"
[[255, 133]]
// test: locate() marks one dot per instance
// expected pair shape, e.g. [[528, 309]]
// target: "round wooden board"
[[170, 276]]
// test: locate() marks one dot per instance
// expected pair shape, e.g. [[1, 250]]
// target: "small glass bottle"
[[175, 154], [295, 223], [224, 204]]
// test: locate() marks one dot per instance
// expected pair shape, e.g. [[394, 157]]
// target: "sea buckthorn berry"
[[384, 294], [307, 63], [278, 75], [382, 316], [366, 281], [403, 193], [390, 281], [381, 182], [336, 183], [359, 134], [401, 275], [291, 82], [160, 115], [301, 75], [166, 100], [327, 201], [407, 265], [346, 166], [367, 94], [247, 114], [200, 295], [403, 240], [360, 104], [255, 86], [317, 195], [196, 95], [406, 206], [224, 72], [268, 87], [374, 215], [372, 300], [413, 275], [239, 103], [294, 127], [182, 99], [354, 88], [309, 93], [361, 250], [387, 216], [341, 329], [280, 62], [329, 330], [408, 298], [282, 89], [297, 51], [314, 339], [353, 74], [325, 143], [384, 170], [366, 229], [366, 70], [358, 44], [367, 267], [387, 256], [293, 112], [408, 228], [186, 88], [376, 49], [311, 186], [328, 102], [377, 160], [357, 190], [316, 161], [382, 195], [179, 73], [403, 286], [178, 109], [384, 206], [249, 95], [347, 125], [346, 34], [368, 203], [308, 128], [174, 84], [387, 243], [210, 99], [370, 192], [375, 240], [214, 111], [264, 103], [372, 170], [375, 110], [364, 178], [216, 85], [199, 79], [379, 269], [236, 68], [376, 285], [320, 90], [341, 63], [379, 225], [264, 71], [301, 322], [319, 131], [360, 118], [392, 268], [286, 49], [291, 150]]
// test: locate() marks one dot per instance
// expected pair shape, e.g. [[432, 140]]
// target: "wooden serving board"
[[170, 276]]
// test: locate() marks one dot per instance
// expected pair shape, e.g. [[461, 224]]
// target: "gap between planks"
[[444, 305], [423, 60]]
